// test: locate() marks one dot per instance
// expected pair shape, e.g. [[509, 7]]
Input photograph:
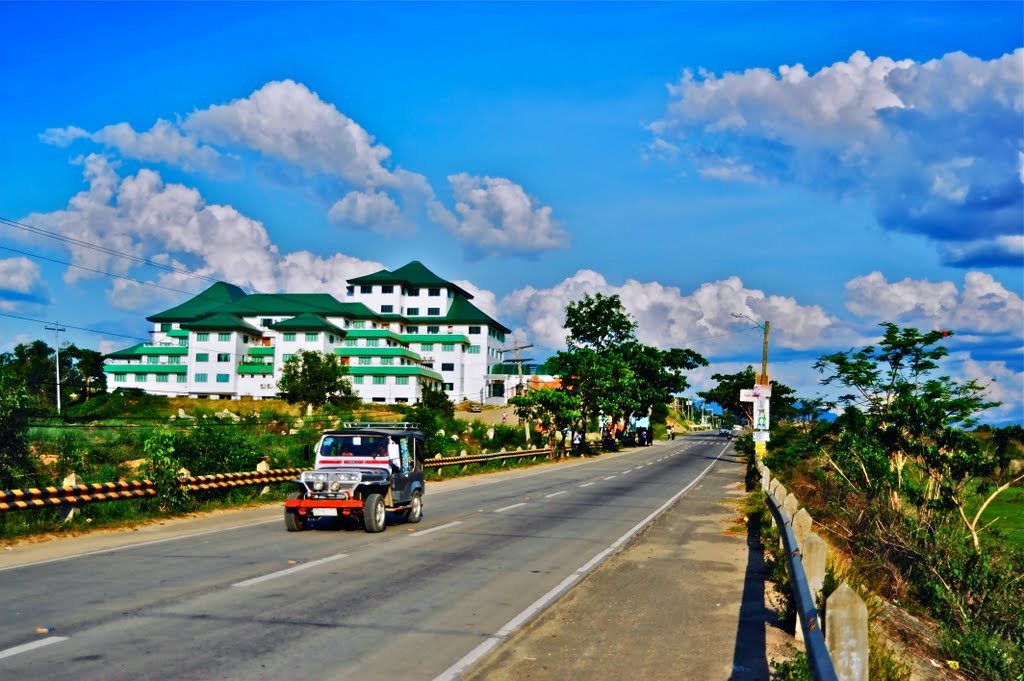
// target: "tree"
[[903, 415], [314, 378], [726, 394], [87, 371], [554, 411], [14, 453]]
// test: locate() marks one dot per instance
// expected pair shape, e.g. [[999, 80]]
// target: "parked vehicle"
[[475, 408], [364, 470], [725, 432]]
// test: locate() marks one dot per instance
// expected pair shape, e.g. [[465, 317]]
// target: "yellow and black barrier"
[[74, 495], [440, 462], [247, 479]]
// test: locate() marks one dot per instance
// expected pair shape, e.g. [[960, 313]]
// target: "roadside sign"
[[761, 436], [746, 395], [761, 410]]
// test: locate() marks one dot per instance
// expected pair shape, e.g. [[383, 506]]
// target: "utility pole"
[[763, 378], [516, 347], [57, 328]]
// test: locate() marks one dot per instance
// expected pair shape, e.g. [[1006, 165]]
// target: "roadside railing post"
[[68, 510]]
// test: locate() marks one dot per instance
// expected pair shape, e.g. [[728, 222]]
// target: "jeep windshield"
[[361, 446]]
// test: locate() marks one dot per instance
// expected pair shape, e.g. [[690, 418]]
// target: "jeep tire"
[[415, 512], [294, 522], [374, 513]]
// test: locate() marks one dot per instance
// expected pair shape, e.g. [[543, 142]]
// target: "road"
[[247, 600]]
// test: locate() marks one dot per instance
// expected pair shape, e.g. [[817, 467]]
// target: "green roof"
[[222, 321], [373, 333], [307, 321], [377, 352], [414, 274], [464, 312], [260, 350], [202, 304], [393, 371], [178, 333], [141, 349], [292, 304]]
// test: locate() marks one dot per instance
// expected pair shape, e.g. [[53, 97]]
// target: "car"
[[475, 408], [362, 470], [725, 432]]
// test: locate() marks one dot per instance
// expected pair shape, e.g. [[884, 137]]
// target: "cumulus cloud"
[[497, 215], [982, 305], [164, 142], [144, 217], [703, 320], [20, 283], [935, 146], [368, 210], [482, 298]]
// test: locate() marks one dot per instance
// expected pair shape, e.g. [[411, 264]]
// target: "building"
[[397, 332]]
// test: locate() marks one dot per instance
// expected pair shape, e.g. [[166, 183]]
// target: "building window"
[[433, 292], [447, 366], [161, 378], [223, 378], [174, 360], [401, 380], [386, 361], [285, 358], [427, 347], [387, 288], [202, 357], [365, 289], [414, 311], [474, 330], [387, 309], [359, 325], [358, 380], [412, 329], [447, 347], [364, 361], [223, 337], [448, 386], [200, 378], [380, 380], [223, 357], [201, 337], [165, 327], [120, 378], [153, 359], [311, 337], [266, 321], [433, 311], [413, 292], [182, 378], [372, 342], [182, 342], [141, 378], [474, 349], [289, 337], [351, 342], [433, 329], [245, 339]]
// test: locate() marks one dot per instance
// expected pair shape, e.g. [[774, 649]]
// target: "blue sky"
[[826, 166]]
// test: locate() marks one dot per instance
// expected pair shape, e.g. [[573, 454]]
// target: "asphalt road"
[[238, 597]]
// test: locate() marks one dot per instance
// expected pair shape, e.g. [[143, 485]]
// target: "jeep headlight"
[[346, 477], [335, 486]]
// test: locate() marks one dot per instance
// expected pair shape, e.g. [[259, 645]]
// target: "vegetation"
[[35, 366], [902, 483], [315, 378]]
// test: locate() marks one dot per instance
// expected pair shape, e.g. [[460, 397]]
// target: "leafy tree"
[[14, 452], [598, 322], [555, 411], [726, 394], [315, 378], [87, 372], [434, 413], [900, 411]]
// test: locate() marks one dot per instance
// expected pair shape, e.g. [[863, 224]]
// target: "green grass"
[[1008, 508]]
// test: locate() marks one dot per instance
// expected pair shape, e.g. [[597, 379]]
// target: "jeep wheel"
[[374, 513], [415, 512], [292, 520]]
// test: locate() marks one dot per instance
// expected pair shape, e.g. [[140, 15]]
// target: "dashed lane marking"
[[586, 484], [420, 533], [554, 494], [297, 568], [24, 648], [509, 508], [609, 477]]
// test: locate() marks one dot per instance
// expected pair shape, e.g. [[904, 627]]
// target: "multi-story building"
[[397, 332]]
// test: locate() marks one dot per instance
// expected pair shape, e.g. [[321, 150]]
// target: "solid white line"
[[507, 508], [134, 546], [297, 568], [609, 477], [554, 494], [587, 484], [479, 651], [420, 533], [24, 648]]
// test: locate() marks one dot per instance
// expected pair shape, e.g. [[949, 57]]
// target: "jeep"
[[363, 470]]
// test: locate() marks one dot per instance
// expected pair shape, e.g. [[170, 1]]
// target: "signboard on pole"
[[761, 436], [761, 410]]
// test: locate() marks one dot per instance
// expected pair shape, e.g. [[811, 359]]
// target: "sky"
[[825, 167]]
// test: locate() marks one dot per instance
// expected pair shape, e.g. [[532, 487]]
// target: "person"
[[504, 416], [671, 433], [577, 443]]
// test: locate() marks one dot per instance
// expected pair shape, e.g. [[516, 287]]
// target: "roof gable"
[[201, 304]]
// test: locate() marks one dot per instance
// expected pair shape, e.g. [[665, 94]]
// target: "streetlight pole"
[[57, 328]]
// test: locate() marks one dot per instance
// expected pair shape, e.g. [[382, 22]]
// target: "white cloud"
[[935, 146], [496, 215], [20, 283], [164, 142], [703, 320], [482, 298], [368, 210], [982, 306], [170, 223], [1002, 384]]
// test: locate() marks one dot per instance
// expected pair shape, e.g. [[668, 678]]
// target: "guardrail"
[[73, 494], [840, 652]]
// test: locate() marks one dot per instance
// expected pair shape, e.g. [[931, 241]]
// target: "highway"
[[250, 601]]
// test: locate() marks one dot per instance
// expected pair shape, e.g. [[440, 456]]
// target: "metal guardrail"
[[818, 657], [73, 496]]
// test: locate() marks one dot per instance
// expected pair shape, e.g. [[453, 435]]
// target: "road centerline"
[[291, 570]]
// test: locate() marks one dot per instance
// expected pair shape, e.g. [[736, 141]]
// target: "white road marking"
[[491, 642], [586, 484], [609, 477], [24, 648], [554, 494], [626, 472], [420, 533], [291, 570], [508, 508], [135, 546]]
